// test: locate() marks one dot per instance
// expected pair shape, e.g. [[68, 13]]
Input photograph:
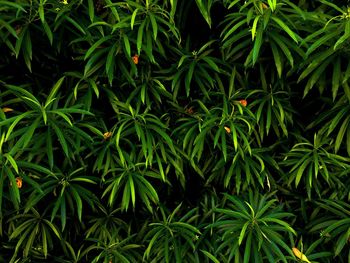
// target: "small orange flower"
[[135, 59], [19, 182], [7, 109], [107, 135], [227, 129], [264, 6], [243, 102]]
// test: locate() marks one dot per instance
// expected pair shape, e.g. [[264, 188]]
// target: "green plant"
[[324, 51], [33, 232], [308, 160], [271, 105], [336, 122], [106, 223], [166, 236], [334, 226], [196, 66], [174, 131], [115, 250], [257, 21], [253, 230], [68, 192]]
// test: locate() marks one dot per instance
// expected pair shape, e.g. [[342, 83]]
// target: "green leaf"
[[210, 256], [30, 240], [300, 171], [53, 228], [255, 24], [277, 58], [91, 10], [12, 161], [286, 51], [53, 92], [75, 24], [17, 119], [127, 45], [286, 28], [188, 78], [340, 136], [247, 250], [272, 4], [61, 139], [9, 28], [113, 9], [132, 190], [96, 45], [133, 17], [15, 5], [41, 11], [321, 41], [257, 44], [319, 58], [336, 77], [78, 202], [332, 5], [110, 63], [44, 240], [316, 75], [242, 234], [233, 29], [204, 7], [154, 25], [48, 32], [211, 63], [140, 36]]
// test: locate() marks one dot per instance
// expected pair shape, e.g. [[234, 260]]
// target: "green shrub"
[[174, 131]]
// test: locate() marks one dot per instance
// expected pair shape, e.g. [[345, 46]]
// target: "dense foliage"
[[174, 131]]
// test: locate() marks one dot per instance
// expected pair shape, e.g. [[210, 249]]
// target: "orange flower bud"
[[19, 182], [107, 135], [243, 102], [264, 6], [227, 129], [135, 59]]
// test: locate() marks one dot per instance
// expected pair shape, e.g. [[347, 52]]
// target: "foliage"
[[174, 131], [250, 230]]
